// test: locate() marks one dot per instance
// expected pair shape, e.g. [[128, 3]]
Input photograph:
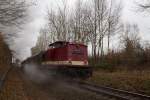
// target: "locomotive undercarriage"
[[69, 71]]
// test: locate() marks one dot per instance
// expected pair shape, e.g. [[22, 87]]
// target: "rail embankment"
[[5, 55], [11, 85], [130, 80]]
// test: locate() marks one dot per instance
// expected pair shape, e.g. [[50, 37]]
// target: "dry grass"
[[137, 81]]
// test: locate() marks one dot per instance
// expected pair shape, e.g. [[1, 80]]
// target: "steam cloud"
[[20, 41], [33, 73]]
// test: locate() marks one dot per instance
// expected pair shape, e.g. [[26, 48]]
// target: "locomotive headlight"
[[70, 61], [85, 62]]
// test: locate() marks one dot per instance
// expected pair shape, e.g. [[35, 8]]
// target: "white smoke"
[[26, 37], [29, 34], [21, 40], [34, 74]]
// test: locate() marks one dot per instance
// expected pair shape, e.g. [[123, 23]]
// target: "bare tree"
[[145, 5], [43, 41], [68, 26], [58, 22], [12, 12], [99, 8], [106, 17], [81, 22], [132, 46], [114, 24]]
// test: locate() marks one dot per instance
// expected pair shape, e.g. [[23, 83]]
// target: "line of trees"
[[133, 52], [95, 23], [88, 22]]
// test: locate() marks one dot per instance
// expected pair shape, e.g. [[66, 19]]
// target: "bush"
[[105, 66]]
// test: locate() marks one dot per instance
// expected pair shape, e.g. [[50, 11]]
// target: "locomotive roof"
[[64, 42]]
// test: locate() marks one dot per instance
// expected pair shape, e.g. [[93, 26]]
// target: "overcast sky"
[[130, 14], [28, 36]]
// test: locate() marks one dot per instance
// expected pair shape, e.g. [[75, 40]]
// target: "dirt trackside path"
[[18, 88], [58, 90], [13, 87]]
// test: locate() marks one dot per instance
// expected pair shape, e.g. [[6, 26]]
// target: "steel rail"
[[111, 92]]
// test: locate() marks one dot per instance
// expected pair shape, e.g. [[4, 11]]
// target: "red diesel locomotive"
[[65, 58], [65, 53]]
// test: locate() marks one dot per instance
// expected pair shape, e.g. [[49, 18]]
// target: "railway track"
[[112, 93], [107, 91]]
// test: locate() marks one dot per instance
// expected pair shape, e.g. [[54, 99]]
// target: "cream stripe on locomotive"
[[64, 63]]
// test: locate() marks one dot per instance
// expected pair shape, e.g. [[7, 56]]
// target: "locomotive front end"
[[68, 58]]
